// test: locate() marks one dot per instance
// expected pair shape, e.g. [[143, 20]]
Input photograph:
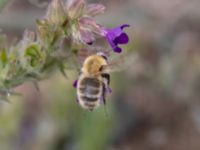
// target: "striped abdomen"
[[89, 92]]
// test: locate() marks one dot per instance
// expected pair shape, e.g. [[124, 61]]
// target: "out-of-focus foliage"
[[2, 3]]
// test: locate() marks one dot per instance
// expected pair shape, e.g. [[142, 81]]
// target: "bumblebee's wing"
[[116, 62], [121, 62]]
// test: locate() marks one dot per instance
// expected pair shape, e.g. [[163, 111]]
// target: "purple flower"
[[116, 36]]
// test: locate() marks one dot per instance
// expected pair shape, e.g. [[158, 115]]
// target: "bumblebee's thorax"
[[92, 65]]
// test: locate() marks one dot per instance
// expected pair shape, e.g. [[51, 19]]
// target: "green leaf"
[[62, 70], [2, 3], [3, 57]]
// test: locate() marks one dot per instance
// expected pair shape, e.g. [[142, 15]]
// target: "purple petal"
[[75, 83], [115, 32], [113, 45], [124, 26], [110, 41], [117, 49], [122, 39]]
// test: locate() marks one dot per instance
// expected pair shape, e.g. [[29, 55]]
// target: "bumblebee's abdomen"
[[89, 98], [89, 92], [90, 87], [93, 82]]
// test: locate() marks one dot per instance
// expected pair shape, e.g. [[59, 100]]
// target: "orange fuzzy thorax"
[[92, 65]]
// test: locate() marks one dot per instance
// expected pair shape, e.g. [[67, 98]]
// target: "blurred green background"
[[155, 103]]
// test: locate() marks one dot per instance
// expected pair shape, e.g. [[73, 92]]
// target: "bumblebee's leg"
[[104, 99], [75, 83], [104, 94], [77, 100], [106, 78]]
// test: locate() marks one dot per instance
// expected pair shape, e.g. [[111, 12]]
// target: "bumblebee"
[[93, 81]]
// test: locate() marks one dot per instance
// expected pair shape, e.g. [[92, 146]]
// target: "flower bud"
[[56, 14], [42, 29], [90, 23], [75, 34], [75, 8], [95, 9], [28, 38], [86, 36], [32, 57]]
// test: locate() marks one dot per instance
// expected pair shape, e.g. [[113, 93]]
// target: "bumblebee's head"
[[103, 55]]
